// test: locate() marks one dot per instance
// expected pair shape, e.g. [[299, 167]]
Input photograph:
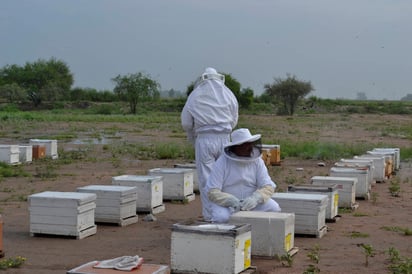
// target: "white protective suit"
[[237, 179], [208, 117]]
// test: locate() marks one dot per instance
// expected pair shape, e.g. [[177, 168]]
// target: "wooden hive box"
[[362, 190], [149, 191], [309, 209], [177, 183], [114, 204], [210, 248], [273, 233], [50, 145], [62, 213], [331, 191], [346, 187], [10, 154]]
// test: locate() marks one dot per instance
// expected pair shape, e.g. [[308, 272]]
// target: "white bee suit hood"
[[212, 107]]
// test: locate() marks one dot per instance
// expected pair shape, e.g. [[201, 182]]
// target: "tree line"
[[49, 81]]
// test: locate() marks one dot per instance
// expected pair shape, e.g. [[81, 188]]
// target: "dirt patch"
[[339, 249]]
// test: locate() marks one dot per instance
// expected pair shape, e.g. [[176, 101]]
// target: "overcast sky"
[[342, 47]]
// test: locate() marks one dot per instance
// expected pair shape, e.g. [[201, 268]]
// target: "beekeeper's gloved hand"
[[224, 199], [251, 202]]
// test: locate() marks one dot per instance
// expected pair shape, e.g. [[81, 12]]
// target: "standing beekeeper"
[[208, 117], [239, 179]]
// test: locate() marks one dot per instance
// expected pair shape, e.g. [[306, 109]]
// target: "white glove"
[[251, 202], [224, 199]]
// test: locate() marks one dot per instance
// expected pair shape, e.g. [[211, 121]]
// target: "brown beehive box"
[[39, 152]]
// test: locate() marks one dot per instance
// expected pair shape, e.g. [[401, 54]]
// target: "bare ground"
[[339, 252]]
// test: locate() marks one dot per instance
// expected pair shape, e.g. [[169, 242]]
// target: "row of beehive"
[[75, 214], [36, 148]]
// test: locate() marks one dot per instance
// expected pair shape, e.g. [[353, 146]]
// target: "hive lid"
[[79, 198], [313, 188], [170, 170], [212, 229], [300, 196], [123, 190], [137, 178]]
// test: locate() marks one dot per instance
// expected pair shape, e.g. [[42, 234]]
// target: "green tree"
[[136, 88], [42, 79], [246, 97], [288, 92], [13, 93]]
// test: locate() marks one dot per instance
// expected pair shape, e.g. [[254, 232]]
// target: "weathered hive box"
[[362, 189], [346, 187], [355, 163], [26, 153], [396, 155], [273, 233], [210, 248], [114, 204], [195, 177], [10, 154], [38, 151], [378, 163], [149, 191], [331, 191], [51, 146], [389, 161], [272, 153], [309, 209], [62, 213], [177, 183]]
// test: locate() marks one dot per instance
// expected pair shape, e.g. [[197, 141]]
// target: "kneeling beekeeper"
[[239, 179]]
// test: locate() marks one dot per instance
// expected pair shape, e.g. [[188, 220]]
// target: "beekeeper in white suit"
[[239, 179], [208, 117]]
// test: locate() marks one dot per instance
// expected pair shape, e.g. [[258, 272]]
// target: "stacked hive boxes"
[[114, 204], [331, 191], [149, 191], [50, 146], [62, 213], [273, 233], [362, 189], [26, 153], [177, 183], [346, 187], [309, 209], [210, 248], [10, 154], [195, 178]]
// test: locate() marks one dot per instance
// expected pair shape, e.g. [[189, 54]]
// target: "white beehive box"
[[177, 183], [195, 177], [346, 187], [62, 213], [330, 191], [51, 146], [309, 209], [26, 153], [10, 154], [396, 154], [379, 164], [114, 204], [149, 191], [210, 248], [362, 189], [356, 163], [389, 161], [273, 233]]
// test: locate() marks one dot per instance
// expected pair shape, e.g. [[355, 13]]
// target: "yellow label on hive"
[[156, 189], [335, 200], [288, 242], [247, 252]]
